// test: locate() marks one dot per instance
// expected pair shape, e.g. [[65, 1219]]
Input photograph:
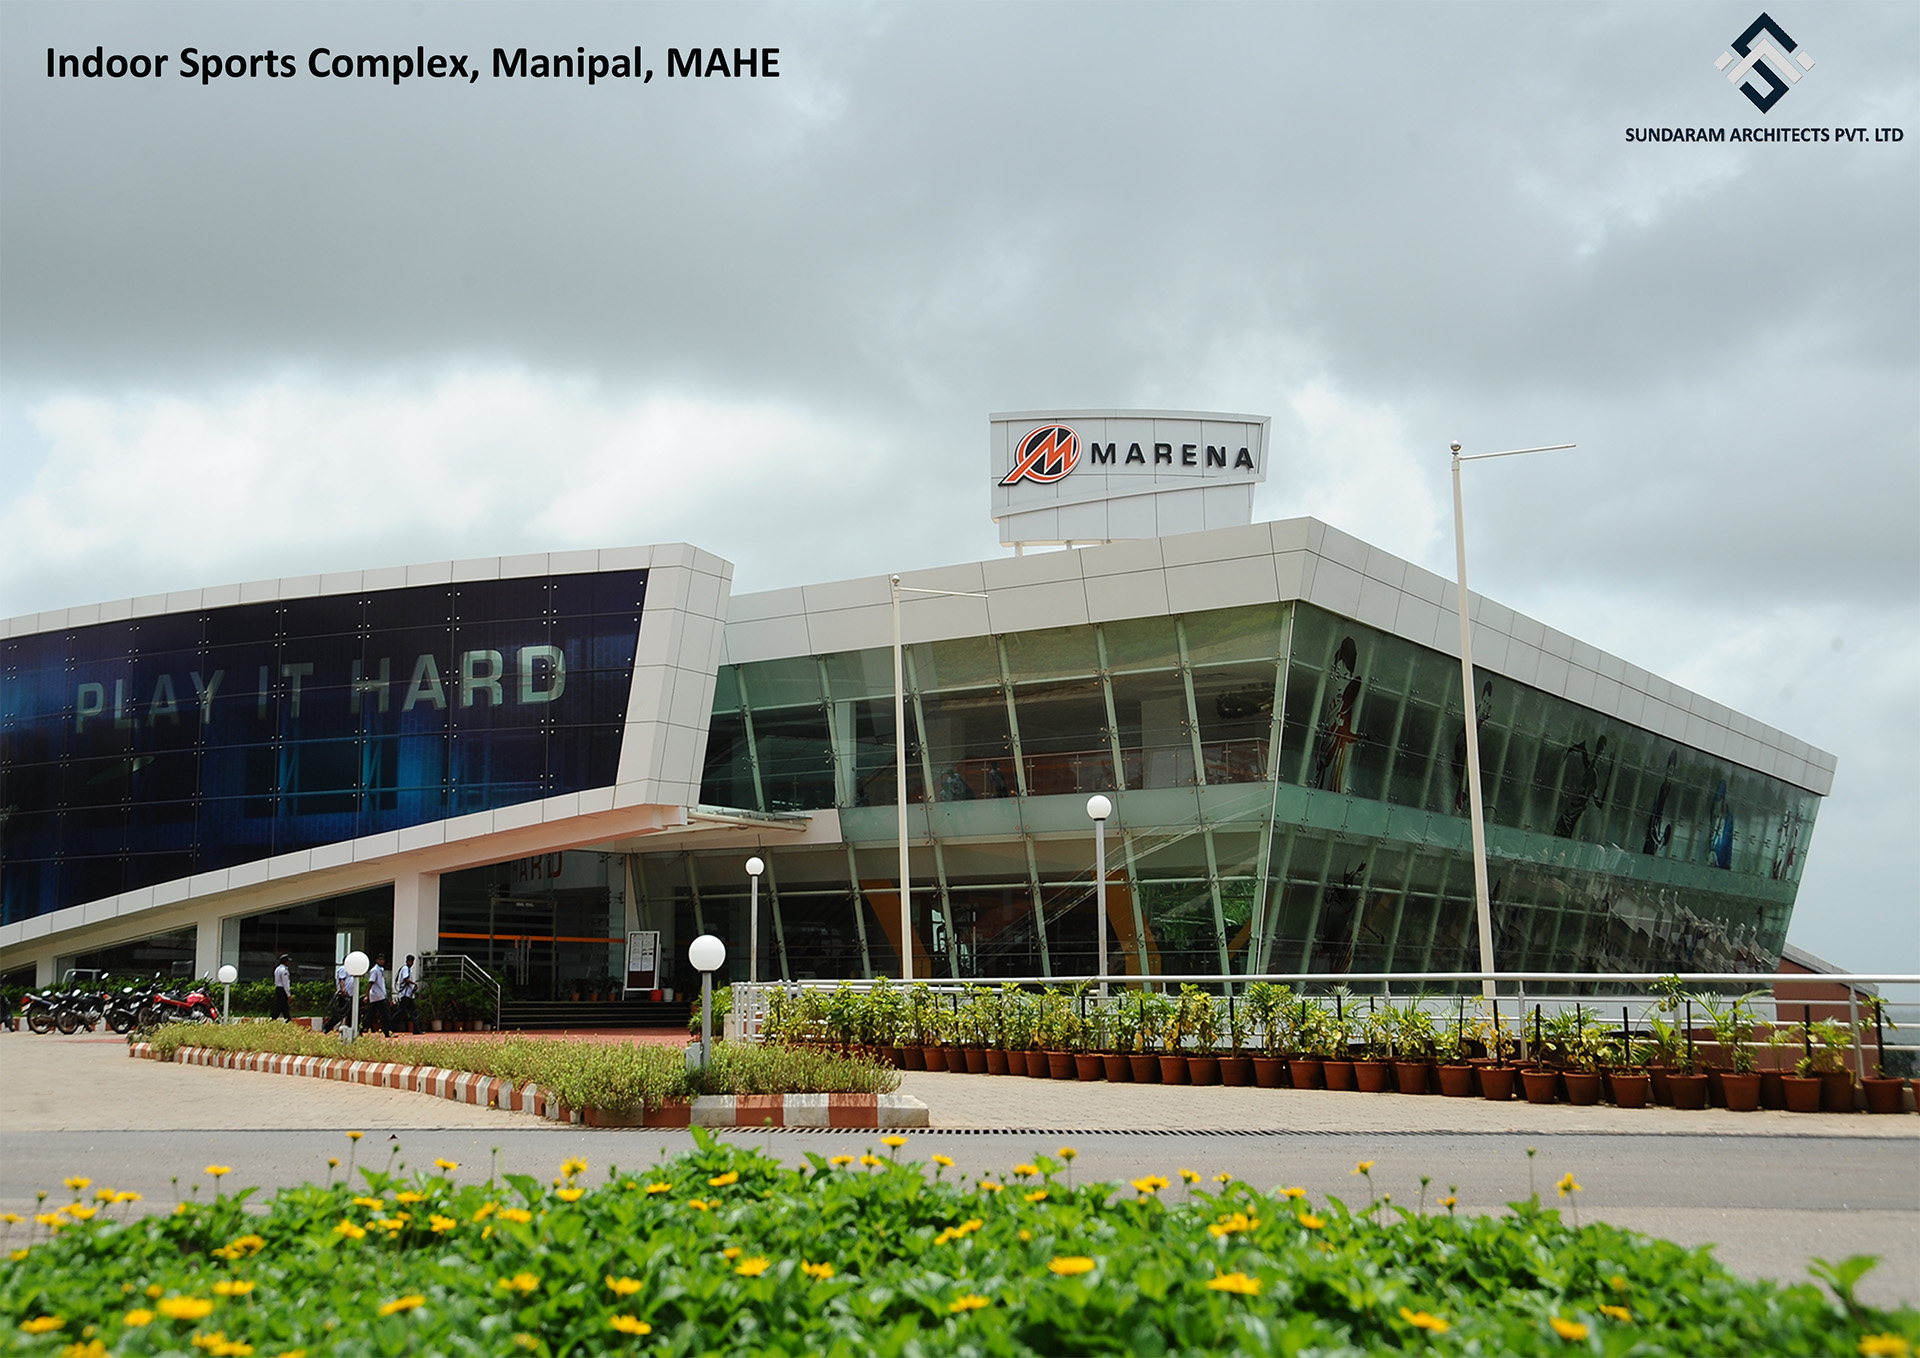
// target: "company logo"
[[1764, 51], [1045, 455]]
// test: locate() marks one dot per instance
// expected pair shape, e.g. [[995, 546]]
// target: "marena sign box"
[[1086, 476]]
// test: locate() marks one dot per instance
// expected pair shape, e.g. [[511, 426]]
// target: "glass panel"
[[1057, 653], [1235, 705], [1156, 743], [970, 662], [1142, 644], [1063, 736], [1235, 634]]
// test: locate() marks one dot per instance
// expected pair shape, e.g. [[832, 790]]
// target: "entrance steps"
[[529, 1015]]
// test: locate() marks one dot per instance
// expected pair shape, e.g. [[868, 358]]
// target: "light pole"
[[227, 975], [900, 765], [708, 954], [1100, 808], [356, 965], [754, 868], [1476, 814]]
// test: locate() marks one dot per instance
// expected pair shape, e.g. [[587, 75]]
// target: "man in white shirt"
[[377, 1010], [282, 1007], [341, 1002], [405, 987]]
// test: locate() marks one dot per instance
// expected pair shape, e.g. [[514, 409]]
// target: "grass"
[[616, 1077], [723, 1249]]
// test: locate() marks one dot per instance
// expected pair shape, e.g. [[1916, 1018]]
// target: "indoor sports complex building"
[[532, 760]]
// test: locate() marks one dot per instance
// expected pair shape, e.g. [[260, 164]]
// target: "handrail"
[[465, 969]]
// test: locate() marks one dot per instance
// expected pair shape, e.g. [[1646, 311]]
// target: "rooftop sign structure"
[[1090, 476]]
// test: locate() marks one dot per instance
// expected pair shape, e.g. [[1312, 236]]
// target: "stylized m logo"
[[1765, 51]]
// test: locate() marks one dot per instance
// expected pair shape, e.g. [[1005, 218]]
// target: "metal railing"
[[747, 1019], [463, 968]]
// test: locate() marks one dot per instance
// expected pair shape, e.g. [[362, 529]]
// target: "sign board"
[[1088, 476], [643, 959]]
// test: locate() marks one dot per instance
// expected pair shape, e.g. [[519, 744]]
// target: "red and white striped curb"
[[850, 1111]]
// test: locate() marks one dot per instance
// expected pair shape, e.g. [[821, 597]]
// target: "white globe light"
[[1099, 807], [228, 974], [357, 964], [755, 867], [707, 953]]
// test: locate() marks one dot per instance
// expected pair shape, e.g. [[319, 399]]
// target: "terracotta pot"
[[1268, 1071], [1742, 1091], [935, 1057], [1119, 1069], [1145, 1067], [1060, 1066], [1339, 1074], [1089, 1066], [1039, 1068], [1630, 1088], [1836, 1091], [1173, 1069], [1716, 1092], [1411, 1076], [1016, 1061], [976, 1060], [1542, 1086], [1308, 1072], [1236, 1070], [913, 1058], [1802, 1091], [897, 1056], [1370, 1077], [1689, 1091], [1657, 1081], [1496, 1083], [1883, 1094], [1772, 1093], [1203, 1070], [1583, 1087], [1456, 1082], [996, 1060]]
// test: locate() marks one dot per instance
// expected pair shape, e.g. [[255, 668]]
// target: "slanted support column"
[[416, 915]]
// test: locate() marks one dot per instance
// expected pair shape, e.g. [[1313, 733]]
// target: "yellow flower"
[[79, 1213], [355, 1136], [1067, 1265], [969, 1302], [104, 1195], [1884, 1346], [137, 1317], [1026, 1235], [1235, 1282], [1570, 1330], [1310, 1221], [822, 1272], [840, 1161], [42, 1324], [872, 1161], [519, 1215], [1232, 1222], [1618, 1282], [1223, 1178], [730, 1252], [519, 1282], [569, 1194], [487, 1209], [440, 1225], [232, 1287], [630, 1325], [1189, 1176], [525, 1341], [945, 1162], [1293, 1192], [399, 1304], [155, 1290], [893, 1142], [92, 1348], [10, 1218], [1363, 1167], [1152, 1183], [185, 1308], [371, 1204], [751, 1268], [1038, 1195], [1069, 1154], [988, 1186], [622, 1287], [573, 1165], [1448, 1202], [18, 1255], [408, 1199], [127, 1195], [1025, 1171], [1619, 1313], [697, 1204], [49, 1219], [1420, 1320], [247, 1244], [219, 1170], [333, 1162], [660, 1188], [1567, 1185], [447, 1165], [347, 1230], [726, 1180], [77, 1183]]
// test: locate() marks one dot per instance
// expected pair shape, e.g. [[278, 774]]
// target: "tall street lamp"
[[1100, 808], [1476, 815], [754, 868], [900, 766]]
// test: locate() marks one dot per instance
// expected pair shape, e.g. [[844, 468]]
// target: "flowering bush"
[[724, 1249]]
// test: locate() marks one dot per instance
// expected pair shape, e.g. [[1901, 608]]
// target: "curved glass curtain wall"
[[1290, 795]]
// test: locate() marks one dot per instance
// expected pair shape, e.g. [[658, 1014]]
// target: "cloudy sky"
[[255, 327]]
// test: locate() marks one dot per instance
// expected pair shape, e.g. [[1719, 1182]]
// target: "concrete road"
[[1770, 1191]]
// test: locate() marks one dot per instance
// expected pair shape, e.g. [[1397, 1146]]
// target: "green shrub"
[[725, 1250]]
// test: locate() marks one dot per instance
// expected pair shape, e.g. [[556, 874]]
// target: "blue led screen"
[[138, 752]]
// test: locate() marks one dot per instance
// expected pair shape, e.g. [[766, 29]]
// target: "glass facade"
[[1289, 793], [138, 752]]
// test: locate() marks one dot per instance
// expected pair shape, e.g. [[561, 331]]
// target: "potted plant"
[[1587, 1047], [1336, 1060], [1883, 1090], [1413, 1048], [1083, 1025], [1054, 1033], [1264, 1003], [1449, 1049], [1733, 1029], [1497, 1041], [1305, 1040], [843, 1016], [1375, 1031], [1172, 1038], [997, 1035], [1199, 1019], [1143, 1060], [1120, 1025], [1627, 1079], [975, 1029], [1236, 1063], [1773, 1092], [1830, 1062], [915, 1021]]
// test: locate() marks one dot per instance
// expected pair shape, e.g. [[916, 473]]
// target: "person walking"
[[337, 1015], [282, 1006], [405, 987], [377, 1008]]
